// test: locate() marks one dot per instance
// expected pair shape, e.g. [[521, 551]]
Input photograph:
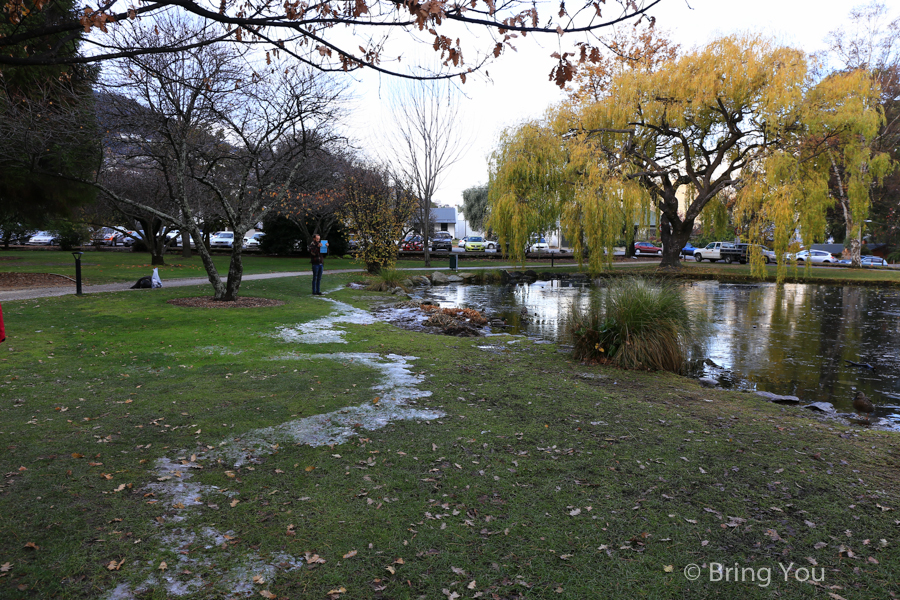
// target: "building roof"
[[444, 215], [835, 249]]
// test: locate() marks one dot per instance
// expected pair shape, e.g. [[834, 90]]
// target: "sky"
[[520, 89]]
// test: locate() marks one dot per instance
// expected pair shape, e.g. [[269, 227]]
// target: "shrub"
[[636, 324], [70, 235]]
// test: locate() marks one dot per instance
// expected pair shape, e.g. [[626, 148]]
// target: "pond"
[[792, 339]]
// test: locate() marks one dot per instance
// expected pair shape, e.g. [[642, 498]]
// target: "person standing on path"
[[318, 264]]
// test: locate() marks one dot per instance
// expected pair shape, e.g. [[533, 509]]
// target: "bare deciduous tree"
[[425, 141]]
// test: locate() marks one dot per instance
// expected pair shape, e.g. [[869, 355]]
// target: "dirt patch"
[[241, 302], [19, 281]]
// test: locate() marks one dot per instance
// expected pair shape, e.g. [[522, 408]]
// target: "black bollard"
[[77, 256]]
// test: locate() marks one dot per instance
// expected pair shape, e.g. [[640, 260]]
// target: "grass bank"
[[151, 449]]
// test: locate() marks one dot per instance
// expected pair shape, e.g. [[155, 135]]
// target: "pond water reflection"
[[791, 339]]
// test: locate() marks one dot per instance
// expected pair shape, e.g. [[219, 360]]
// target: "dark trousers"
[[317, 277]]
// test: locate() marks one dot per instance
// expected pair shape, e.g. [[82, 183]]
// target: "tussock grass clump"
[[488, 276], [386, 280], [637, 324]]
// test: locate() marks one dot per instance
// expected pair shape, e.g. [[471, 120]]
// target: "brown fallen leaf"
[[399, 561], [32, 545], [258, 579], [234, 503], [5, 567], [115, 566], [106, 476], [350, 554], [310, 468], [391, 570], [77, 455], [340, 590], [163, 566], [267, 594]]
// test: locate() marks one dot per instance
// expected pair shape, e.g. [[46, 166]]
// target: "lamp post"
[[77, 256]]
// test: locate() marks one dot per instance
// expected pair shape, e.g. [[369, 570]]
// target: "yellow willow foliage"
[[790, 193], [847, 115], [526, 183], [741, 113], [715, 218]]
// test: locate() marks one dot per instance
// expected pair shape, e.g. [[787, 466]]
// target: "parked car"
[[412, 243], [688, 250], [646, 248], [42, 238], [106, 236], [221, 239], [253, 241], [816, 257], [538, 244], [462, 243], [442, 240], [127, 239], [474, 244], [866, 261]]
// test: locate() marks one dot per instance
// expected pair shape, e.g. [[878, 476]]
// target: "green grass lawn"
[[151, 448]]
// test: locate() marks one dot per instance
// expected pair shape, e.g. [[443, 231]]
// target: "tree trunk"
[[157, 260], [235, 272], [426, 227], [674, 236], [185, 244]]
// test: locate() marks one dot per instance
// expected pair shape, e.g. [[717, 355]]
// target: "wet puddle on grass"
[[398, 388]]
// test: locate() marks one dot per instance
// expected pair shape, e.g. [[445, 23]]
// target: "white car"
[[254, 240], [41, 238], [221, 239], [538, 245], [873, 261], [816, 257]]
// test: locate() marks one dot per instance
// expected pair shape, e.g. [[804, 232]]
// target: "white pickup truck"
[[717, 251]]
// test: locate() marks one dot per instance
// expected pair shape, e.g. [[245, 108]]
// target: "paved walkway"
[[30, 294]]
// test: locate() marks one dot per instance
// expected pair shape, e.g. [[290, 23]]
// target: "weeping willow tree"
[[739, 113], [833, 163]]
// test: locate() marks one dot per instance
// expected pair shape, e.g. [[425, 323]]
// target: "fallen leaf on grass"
[[669, 568], [258, 579], [340, 590], [234, 503], [115, 566], [575, 513], [163, 566], [458, 571], [471, 585], [350, 554], [32, 545], [5, 567], [310, 468], [106, 476], [267, 594], [77, 455], [391, 570]]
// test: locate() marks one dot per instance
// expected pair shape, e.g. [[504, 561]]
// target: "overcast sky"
[[520, 88]]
